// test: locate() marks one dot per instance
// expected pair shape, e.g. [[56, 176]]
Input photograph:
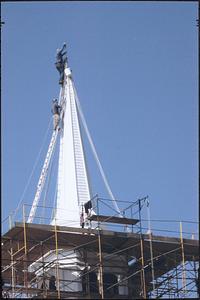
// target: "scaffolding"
[[120, 259]]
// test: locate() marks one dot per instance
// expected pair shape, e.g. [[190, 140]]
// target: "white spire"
[[73, 184], [73, 187]]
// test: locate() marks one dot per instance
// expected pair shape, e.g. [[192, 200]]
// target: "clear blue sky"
[[135, 68]]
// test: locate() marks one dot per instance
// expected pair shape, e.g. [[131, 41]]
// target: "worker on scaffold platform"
[[60, 62], [56, 109]]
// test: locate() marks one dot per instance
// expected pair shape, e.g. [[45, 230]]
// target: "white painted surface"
[[73, 184], [70, 268]]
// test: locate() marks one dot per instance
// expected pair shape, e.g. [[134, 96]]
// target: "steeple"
[[73, 189], [73, 186]]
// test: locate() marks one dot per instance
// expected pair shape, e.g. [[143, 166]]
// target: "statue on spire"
[[60, 62]]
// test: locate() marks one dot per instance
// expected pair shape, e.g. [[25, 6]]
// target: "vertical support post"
[[183, 261], [44, 292], [151, 247], [57, 269], [25, 252], [157, 289], [168, 286], [18, 246], [177, 288], [196, 276], [127, 274], [101, 290], [142, 255], [86, 276], [12, 270]]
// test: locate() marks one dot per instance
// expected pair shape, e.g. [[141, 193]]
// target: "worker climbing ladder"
[[45, 168]]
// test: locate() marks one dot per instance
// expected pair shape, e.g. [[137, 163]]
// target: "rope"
[[95, 153], [30, 177]]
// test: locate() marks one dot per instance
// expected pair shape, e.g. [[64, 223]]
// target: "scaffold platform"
[[25, 243]]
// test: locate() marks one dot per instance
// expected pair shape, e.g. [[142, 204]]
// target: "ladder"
[[43, 175]]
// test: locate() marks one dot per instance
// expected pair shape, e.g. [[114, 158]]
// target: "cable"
[[36, 161], [95, 153]]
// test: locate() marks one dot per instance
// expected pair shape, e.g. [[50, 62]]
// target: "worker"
[[60, 62], [56, 109], [82, 223], [52, 283], [88, 207]]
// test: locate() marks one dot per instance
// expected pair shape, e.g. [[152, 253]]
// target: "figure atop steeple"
[[60, 62]]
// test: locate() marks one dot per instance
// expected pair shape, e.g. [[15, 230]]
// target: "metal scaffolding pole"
[[25, 252], [151, 247], [57, 269], [101, 289], [143, 285], [183, 261], [12, 269], [43, 272], [177, 287]]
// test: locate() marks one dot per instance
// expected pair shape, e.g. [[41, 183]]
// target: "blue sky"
[[135, 69]]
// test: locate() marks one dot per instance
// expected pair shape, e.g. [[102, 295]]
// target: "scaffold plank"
[[113, 219]]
